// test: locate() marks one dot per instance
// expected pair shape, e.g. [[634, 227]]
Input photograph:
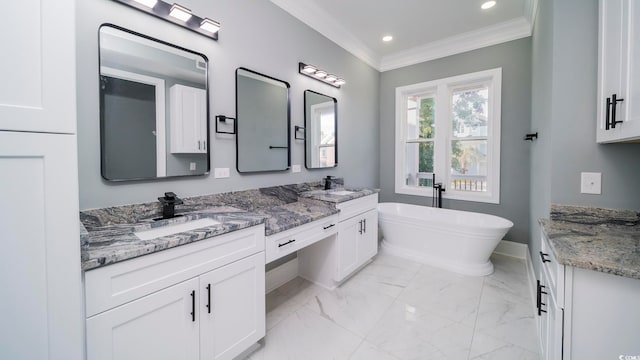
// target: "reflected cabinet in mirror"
[[262, 123], [321, 130], [153, 108]]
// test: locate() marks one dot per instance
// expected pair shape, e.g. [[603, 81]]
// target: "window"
[[451, 128]]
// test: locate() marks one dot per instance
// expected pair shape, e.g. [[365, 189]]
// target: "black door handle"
[[360, 230], [209, 299], [329, 226], [614, 103], [364, 221], [607, 123], [193, 305]]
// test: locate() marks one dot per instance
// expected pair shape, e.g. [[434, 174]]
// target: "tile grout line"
[[475, 321]]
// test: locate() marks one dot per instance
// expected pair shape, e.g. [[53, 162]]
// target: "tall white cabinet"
[[40, 258], [619, 71]]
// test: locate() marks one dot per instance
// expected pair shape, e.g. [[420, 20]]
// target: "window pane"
[[470, 112], [420, 117], [419, 166], [469, 165]]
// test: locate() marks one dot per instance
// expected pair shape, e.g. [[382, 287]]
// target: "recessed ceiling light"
[[387, 38], [488, 5]]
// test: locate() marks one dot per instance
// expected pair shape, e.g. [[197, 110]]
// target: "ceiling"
[[422, 30]]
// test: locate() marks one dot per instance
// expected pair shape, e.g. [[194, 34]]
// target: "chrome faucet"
[[169, 202]]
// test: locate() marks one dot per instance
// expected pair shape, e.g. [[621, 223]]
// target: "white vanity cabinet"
[[618, 71], [357, 240], [199, 301], [586, 314], [188, 109], [331, 261]]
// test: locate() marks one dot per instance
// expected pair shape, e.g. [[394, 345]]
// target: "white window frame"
[[443, 135]]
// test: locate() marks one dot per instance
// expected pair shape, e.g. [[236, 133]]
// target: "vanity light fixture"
[[488, 5], [320, 75], [177, 14], [180, 12], [209, 25], [147, 3]]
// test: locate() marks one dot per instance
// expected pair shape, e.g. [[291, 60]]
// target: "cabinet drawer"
[[553, 270], [119, 283], [287, 242], [354, 207]]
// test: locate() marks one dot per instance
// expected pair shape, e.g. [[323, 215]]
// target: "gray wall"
[[566, 37], [515, 59], [256, 35]]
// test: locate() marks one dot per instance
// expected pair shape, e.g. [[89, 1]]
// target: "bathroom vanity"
[[203, 295], [589, 287]]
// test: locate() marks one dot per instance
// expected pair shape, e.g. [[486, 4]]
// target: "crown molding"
[[487, 36], [319, 20]]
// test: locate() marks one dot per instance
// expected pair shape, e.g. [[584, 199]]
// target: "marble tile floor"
[[396, 309]]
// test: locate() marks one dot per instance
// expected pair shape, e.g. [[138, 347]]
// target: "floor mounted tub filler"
[[454, 240]]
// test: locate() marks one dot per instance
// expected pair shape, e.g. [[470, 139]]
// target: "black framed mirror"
[[262, 123], [154, 108], [321, 130]]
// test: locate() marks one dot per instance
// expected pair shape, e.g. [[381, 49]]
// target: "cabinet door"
[[233, 308], [37, 67], [368, 241], [188, 119], [157, 326], [40, 274], [349, 232], [619, 70]]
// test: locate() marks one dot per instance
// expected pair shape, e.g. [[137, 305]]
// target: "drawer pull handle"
[[193, 305], [364, 222], [329, 226], [360, 230], [209, 298], [287, 243], [542, 256]]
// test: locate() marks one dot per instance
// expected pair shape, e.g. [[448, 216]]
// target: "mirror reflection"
[[262, 121], [153, 108], [321, 134]]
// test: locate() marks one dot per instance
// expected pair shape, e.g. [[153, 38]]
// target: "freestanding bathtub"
[[454, 240]]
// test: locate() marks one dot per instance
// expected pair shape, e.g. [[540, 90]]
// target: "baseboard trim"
[[281, 275], [511, 248]]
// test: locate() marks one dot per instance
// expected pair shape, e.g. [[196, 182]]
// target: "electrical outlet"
[[295, 168], [591, 183], [192, 166], [220, 173]]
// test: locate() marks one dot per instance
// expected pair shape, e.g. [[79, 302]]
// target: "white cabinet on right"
[[586, 314], [618, 109], [357, 242], [188, 120]]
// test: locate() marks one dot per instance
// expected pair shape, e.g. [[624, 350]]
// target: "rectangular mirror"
[[321, 130], [262, 123], [154, 108]]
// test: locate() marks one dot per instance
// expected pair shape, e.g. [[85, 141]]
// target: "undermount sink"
[[175, 229], [342, 192]]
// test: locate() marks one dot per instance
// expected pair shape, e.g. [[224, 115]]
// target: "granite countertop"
[[107, 234], [595, 239]]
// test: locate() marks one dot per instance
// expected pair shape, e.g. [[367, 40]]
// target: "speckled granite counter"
[[595, 239], [107, 235]]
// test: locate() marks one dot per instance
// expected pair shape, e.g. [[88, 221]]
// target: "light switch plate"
[[220, 173], [295, 168], [192, 166], [591, 183]]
